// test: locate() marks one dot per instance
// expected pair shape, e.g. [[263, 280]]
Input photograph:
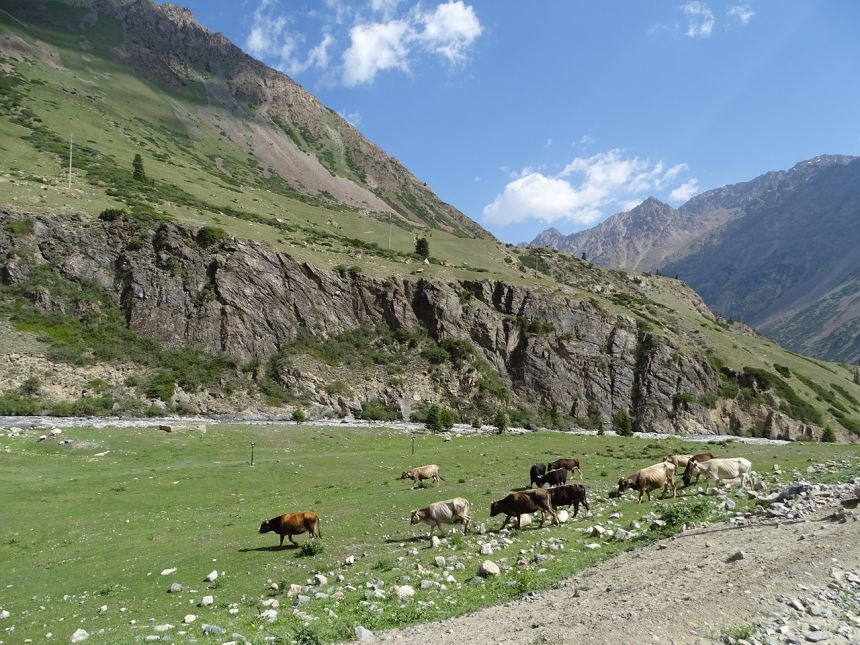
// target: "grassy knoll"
[[81, 531]]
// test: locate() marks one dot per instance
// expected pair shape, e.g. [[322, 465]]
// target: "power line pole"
[[389, 230], [71, 140]]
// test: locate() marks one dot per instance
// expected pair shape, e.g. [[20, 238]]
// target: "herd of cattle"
[[537, 499]]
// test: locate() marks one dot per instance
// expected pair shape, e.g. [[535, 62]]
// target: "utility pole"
[[71, 140], [389, 230]]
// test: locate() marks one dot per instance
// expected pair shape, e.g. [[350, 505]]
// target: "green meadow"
[[81, 532]]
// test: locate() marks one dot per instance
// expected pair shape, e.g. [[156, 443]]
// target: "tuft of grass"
[[310, 548]]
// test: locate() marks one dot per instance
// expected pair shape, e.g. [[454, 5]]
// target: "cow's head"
[[405, 475], [417, 516], [687, 477], [265, 527], [623, 484], [494, 509]]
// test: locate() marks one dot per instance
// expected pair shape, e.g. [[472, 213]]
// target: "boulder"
[[79, 635], [488, 568]]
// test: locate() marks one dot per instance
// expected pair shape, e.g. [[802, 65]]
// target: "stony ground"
[[770, 580]]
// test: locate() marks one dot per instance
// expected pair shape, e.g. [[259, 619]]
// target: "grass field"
[[80, 532]]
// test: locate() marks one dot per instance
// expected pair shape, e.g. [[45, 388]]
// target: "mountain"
[[259, 257], [140, 69], [780, 252]]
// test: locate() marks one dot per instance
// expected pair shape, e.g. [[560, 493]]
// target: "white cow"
[[451, 511], [718, 470]]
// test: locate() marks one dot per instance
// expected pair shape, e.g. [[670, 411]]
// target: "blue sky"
[[526, 115]]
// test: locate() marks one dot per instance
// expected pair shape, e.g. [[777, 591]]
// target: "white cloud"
[[536, 196], [270, 38], [700, 19], [630, 204], [376, 47], [743, 12], [581, 191], [385, 7], [450, 30], [353, 117], [686, 190], [548, 142], [447, 31]]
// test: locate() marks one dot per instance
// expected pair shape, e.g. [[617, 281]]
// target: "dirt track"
[[679, 591]]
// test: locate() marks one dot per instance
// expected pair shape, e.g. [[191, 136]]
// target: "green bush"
[[161, 386], [708, 400], [310, 548], [440, 418], [500, 421], [828, 436], [112, 214], [14, 404], [19, 227], [374, 410], [422, 247], [298, 415], [435, 354], [30, 386], [783, 370], [622, 423], [209, 235]]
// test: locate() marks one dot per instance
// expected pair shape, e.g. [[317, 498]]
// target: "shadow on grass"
[[275, 547], [413, 538]]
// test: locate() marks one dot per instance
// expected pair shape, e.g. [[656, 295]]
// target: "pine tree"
[[501, 421], [137, 165], [422, 247]]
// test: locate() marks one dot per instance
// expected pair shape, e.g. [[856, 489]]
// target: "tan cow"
[[660, 475], [431, 471], [450, 511]]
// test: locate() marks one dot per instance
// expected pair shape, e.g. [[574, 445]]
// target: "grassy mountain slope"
[[127, 78]]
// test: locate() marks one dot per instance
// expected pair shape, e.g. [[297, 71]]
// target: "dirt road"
[[682, 590]]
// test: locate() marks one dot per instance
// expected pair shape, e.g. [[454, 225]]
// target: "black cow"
[[567, 495], [553, 478], [529, 501], [537, 471]]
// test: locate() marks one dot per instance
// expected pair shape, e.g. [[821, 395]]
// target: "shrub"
[[440, 418], [500, 421], [111, 214], [422, 247], [374, 410], [828, 436], [306, 636], [622, 423], [31, 386], [435, 354], [298, 415], [783, 370], [477, 423], [708, 399], [161, 386], [310, 548], [13, 404], [17, 227], [209, 235], [138, 172]]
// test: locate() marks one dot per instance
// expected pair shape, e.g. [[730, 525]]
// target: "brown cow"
[[528, 501], [570, 464], [687, 476], [430, 471], [292, 524]]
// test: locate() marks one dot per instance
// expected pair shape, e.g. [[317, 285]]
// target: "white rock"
[[4, 614], [404, 591], [362, 634], [55, 432], [79, 635], [189, 618], [294, 590], [213, 576], [439, 561], [320, 579], [271, 603], [592, 546], [350, 560], [563, 516], [166, 627], [167, 572], [597, 531], [270, 615], [207, 601], [101, 454], [435, 541], [525, 519], [486, 549], [102, 609], [488, 568]]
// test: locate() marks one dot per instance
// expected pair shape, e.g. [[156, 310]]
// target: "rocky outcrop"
[[246, 300]]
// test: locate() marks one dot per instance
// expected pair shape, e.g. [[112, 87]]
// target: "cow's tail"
[[440, 477], [317, 527]]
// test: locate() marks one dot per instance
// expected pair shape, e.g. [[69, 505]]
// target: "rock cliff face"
[[246, 300]]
